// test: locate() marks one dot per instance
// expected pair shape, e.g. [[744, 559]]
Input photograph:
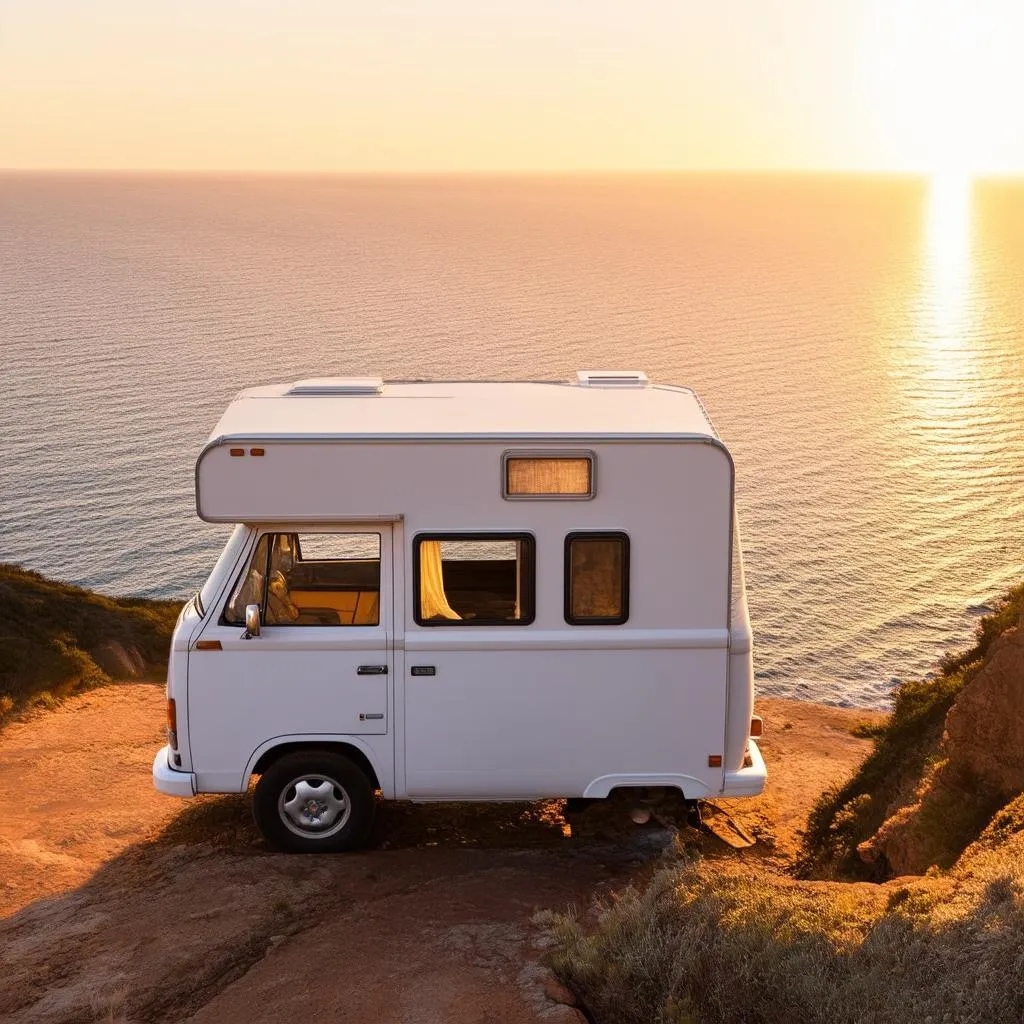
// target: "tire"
[[314, 801]]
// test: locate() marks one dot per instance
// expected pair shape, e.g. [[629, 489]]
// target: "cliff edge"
[[948, 758]]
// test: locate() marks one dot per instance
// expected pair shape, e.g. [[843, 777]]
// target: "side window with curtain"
[[473, 579]]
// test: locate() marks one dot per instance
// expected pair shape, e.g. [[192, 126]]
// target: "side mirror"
[[252, 622]]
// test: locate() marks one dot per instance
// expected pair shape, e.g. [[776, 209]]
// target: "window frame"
[[529, 570], [623, 617], [270, 535], [247, 563], [576, 453]]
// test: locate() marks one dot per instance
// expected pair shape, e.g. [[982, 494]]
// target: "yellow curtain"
[[433, 601]]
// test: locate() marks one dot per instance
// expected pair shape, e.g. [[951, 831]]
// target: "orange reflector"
[[756, 727], [237, 451], [208, 645], [172, 723], [255, 451], [714, 760]]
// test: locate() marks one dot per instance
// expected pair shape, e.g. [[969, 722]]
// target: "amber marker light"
[[256, 451], [756, 727], [208, 645], [172, 723], [236, 452], [714, 760]]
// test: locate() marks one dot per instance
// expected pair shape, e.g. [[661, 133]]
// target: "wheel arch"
[[267, 753]]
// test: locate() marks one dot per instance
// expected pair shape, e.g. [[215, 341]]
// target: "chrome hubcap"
[[314, 806]]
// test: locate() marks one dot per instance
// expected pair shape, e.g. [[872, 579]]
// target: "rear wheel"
[[314, 801]]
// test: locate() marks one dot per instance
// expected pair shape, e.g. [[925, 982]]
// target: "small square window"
[[596, 579], [473, 579], [549, 475]]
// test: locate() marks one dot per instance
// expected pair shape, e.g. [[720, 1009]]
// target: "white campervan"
[[462, 591]]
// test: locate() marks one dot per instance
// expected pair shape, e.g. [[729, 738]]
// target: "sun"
[[939, 81]]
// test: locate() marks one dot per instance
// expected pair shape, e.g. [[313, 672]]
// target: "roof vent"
[[338, 386], [611, 379]]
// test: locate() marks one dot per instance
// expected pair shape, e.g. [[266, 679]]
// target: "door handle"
[[372, 670]]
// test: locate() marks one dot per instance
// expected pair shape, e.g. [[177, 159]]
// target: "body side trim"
[[574, 639]]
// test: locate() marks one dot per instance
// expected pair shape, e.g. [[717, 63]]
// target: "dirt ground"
[[121, 905]]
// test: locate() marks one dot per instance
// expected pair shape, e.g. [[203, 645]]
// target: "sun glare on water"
[[947, 254], [942, 347]]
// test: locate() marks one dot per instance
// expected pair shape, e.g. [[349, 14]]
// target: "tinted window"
[[596, 578], [549, 476], [474, 579]]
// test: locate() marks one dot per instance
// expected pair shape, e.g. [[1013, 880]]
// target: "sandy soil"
[[120, 905]]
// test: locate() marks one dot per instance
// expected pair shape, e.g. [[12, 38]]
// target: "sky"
[[537, 85]]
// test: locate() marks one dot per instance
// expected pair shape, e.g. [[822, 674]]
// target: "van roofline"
[[469, 437]]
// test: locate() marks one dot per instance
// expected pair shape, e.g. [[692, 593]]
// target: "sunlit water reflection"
[[859, 343]]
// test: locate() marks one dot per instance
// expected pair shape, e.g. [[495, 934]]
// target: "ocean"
[[858, 341]]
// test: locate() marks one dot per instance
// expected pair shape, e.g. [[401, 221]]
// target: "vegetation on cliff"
[[57, 639], [911, 759]]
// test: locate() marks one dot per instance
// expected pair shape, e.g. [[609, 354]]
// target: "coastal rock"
[[985, 725], [558, 993], [981, 768], [119, 661]]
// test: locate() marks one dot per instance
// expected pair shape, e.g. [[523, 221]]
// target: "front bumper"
[[169, 780], [749, 780]]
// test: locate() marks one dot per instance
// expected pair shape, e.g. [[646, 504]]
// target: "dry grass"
[[108, 1005], [706, 945]]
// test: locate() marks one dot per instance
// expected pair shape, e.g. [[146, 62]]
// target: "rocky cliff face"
[[978, 769]]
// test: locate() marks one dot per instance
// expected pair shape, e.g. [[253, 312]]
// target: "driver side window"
[[314, 579]]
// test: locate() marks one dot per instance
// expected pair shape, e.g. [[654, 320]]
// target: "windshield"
[[208, 592]]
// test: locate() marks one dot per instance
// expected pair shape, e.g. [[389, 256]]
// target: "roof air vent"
[[611, 379], [338, 386]]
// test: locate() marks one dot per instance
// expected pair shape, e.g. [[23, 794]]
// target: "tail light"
[[756, 727], [172, 723]]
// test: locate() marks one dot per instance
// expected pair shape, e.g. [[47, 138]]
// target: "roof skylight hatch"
[[611, 379], [338, 386]]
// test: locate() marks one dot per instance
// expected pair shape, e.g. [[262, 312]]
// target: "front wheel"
[[314, 801]]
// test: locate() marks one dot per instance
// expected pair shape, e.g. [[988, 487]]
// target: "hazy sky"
[[489, 85]]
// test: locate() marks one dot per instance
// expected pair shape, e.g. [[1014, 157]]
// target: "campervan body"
[[462, 591]]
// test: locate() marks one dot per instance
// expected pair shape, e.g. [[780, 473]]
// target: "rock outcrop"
[[980, 768]]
